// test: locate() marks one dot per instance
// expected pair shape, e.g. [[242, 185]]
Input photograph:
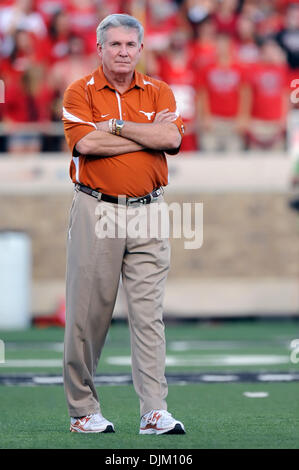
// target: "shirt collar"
[[101, 81]]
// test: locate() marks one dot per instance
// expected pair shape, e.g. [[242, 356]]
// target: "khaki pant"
[[94, 266]]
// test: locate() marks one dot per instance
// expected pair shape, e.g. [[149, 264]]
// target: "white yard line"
[[256, 394], [172, 360], [42, 346], [211, 360], [277, 377], [18, 363], [219, 378]]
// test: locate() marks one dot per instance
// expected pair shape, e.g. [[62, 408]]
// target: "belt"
[[127, 201]]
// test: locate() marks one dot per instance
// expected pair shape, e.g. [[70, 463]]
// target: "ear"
[[99, 49]]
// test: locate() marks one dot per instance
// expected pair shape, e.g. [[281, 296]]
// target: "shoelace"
[[91, 418], [95, 419]]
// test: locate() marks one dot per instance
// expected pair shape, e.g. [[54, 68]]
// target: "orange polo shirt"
[[93, 99]]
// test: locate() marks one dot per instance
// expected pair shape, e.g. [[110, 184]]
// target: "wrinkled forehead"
[[121, 33]]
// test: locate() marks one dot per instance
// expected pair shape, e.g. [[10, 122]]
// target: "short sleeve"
[[77, 115], [165, 100]]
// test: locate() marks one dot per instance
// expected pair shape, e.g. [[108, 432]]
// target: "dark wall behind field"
[[245, 235]]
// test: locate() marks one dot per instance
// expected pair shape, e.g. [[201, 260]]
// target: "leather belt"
[[127, 201]]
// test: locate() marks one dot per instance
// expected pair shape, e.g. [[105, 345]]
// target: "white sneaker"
[[91, 423], [160, 422]]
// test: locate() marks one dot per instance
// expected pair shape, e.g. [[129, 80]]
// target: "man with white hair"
[[118, 124]]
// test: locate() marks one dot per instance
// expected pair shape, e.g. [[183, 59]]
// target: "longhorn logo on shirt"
[[148, 115]]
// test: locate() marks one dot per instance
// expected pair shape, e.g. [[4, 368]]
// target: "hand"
[[165, 116]]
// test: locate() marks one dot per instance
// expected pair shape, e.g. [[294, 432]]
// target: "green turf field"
[[216, 415]]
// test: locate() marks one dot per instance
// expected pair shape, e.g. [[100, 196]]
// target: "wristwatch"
[[119, 124]]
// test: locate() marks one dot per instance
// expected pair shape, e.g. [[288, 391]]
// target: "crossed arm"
[[161, 134]]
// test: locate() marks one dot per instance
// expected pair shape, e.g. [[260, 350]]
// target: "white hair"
[[115, 21]]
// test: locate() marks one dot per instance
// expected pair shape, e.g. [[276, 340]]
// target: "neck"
[[119, 81]]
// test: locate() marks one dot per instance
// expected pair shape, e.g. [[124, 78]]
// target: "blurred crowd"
[[232, 65]]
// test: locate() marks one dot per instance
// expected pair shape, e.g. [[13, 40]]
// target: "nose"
[[123, 50]]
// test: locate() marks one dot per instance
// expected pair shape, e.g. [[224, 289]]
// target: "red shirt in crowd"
[[47, 8], [51, 50], [19, 106], [203, 54], [223, 84], [182, 80], [226, 25], [157, 32], [269, 84], [270, 25], [13, 70], [181, 77], [246, 53]]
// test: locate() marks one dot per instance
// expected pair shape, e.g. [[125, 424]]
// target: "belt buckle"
[[158, 192], [132, 200], [97, 195]]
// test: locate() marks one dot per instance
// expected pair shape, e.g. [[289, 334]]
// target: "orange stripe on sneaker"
[[78, 424]]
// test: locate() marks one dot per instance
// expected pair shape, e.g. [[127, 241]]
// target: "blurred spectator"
[[22, 55], [204, 44], [55, 47], [75, 65], [269, 97], [288, 38], [247, 50], [161, 21], [82, 14], [107, 7], [198, 10], [268, 19], [48, 8], [223, 101], [177, 69], [226, 16], [22, 15], [84, 21], [27, 101]]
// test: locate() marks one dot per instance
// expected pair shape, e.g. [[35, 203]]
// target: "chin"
[[124, 68]]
